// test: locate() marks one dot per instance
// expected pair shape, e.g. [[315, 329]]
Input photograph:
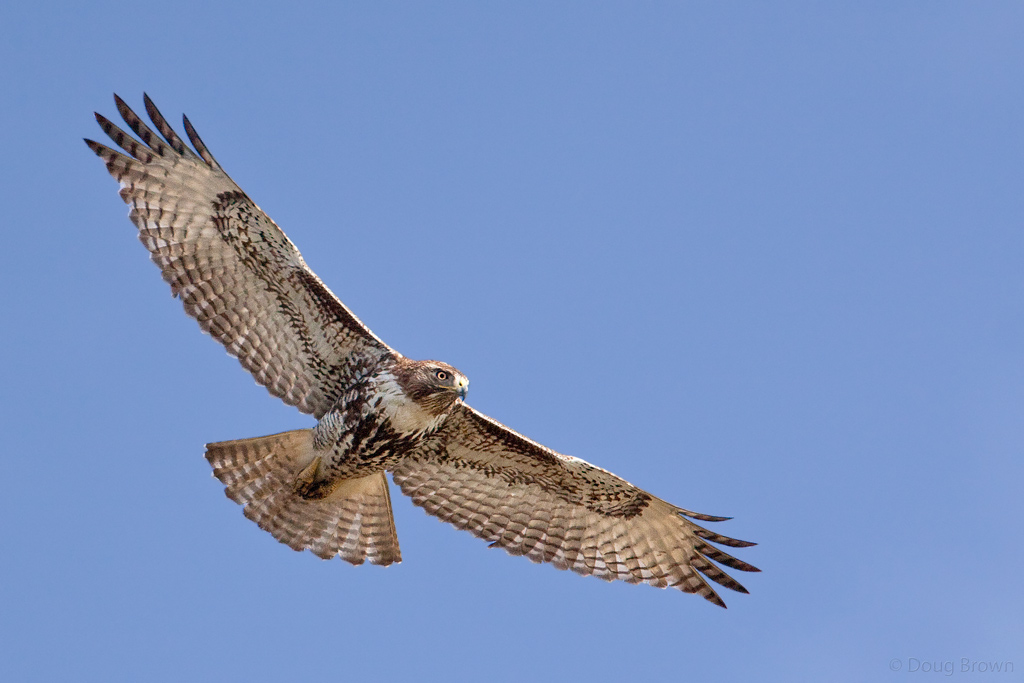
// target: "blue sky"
[[761, 259]]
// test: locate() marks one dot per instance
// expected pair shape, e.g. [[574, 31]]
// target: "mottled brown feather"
[[481, 476], [234, 269]]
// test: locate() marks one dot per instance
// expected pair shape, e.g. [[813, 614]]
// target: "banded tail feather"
[[353, 521]]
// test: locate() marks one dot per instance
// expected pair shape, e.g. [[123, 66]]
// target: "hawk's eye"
[[441, 375]]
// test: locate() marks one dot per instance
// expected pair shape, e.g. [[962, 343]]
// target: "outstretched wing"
[[234, 270], [481, 476]]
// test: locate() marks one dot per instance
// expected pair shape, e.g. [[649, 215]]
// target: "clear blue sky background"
[[762, 259]]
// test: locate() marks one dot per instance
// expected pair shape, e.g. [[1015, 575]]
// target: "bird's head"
[[434, 385]]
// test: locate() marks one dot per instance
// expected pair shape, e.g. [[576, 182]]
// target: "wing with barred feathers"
[[234, 270], [482, 477]]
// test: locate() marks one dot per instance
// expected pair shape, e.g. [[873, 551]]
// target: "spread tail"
[[353, 521]]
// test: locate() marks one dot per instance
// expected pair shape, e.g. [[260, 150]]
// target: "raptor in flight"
[[324, 489]]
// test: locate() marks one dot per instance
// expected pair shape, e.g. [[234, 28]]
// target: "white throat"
[[406, 416]]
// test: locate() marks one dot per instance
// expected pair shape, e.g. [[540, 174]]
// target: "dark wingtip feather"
[[125, 141], [724, 558], [165, 128], [710, 571], [720, 539], [197, 142], [102, 150], [702, 517], [151, 139], [712, 596]]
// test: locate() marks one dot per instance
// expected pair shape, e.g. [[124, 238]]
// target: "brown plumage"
[[324, 489]]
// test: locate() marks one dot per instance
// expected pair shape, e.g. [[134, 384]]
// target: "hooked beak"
[[462, 387]]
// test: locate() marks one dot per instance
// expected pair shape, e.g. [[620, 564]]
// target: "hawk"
[[324, 489]]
